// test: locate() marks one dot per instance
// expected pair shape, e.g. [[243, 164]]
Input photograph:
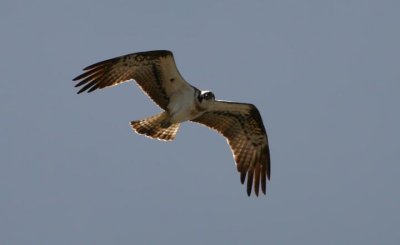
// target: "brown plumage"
[[157, 75], [151, 127], [242, 126]]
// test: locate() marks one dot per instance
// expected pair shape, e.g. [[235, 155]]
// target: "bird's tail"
[[156, 127]]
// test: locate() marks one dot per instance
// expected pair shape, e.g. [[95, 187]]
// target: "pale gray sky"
[[324, 74]]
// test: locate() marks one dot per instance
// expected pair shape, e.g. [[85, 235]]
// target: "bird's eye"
[[208, 95], [205, 95]]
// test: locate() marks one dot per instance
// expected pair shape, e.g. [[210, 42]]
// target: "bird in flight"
[[157, 75]]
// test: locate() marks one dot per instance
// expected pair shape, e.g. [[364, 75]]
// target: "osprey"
[[157, 75]]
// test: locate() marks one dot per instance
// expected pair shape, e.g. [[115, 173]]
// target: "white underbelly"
[[182, 107]]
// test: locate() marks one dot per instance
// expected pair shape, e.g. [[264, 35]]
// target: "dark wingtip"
[[242, 177], [256, 190], [268, 164], [81, 90], [77, 77], [80, 83], [248, 187], [95, 65], [249, 182], [263, 179], [93, 88]]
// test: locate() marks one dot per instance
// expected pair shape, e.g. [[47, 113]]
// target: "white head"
[[205, 98]]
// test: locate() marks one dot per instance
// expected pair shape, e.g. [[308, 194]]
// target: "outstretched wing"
[[242, 126], [154, 71]]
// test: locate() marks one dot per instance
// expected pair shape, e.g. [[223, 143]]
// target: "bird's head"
[[204, 98]]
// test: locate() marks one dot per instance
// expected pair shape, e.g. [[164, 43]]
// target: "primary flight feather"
[[157, 75]]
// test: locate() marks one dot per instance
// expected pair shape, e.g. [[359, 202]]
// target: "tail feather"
[[152, 127]]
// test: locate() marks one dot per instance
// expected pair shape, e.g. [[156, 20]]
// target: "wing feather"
[[154, 71], [241, 124], [257, 179]]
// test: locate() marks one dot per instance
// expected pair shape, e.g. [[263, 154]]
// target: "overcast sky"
[[324, 75]]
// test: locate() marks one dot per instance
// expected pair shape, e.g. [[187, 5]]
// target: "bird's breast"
[[182, 106]]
